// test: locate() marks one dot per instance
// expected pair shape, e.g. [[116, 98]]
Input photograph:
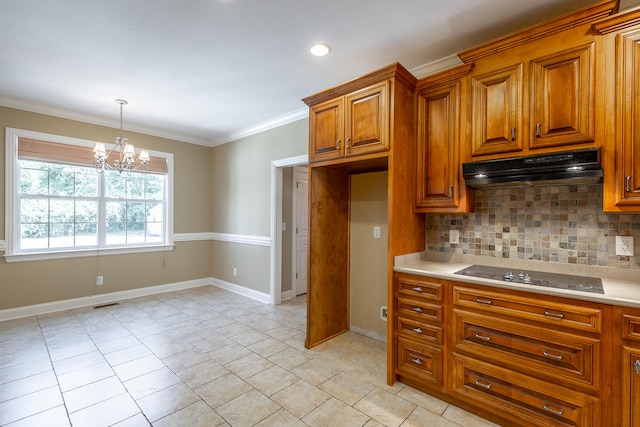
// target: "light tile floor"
[[200, 357]]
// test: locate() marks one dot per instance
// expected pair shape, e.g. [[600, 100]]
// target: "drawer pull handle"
[[338, 143], [484, 301], [553, 411], [417, 289], [417, 330], [417, 309], [637, 366], [557, 315], [627, 184], [483, 338], [417, 361], [553, 356], [537, 130], [482, 384]]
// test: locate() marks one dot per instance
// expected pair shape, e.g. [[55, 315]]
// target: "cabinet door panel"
[[438, 147], [326, 130], [556, 356], [367, 120], [563, 98], [523, 399], [497, 111], [631, 386], [420, 361], [628, 149]]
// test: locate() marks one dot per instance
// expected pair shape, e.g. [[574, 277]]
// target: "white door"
[[301, 231]]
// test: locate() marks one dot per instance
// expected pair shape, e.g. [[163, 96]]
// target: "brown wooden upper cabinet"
[[545, 102], [622, 158], [535, 90], [440, 188], [350, 125]]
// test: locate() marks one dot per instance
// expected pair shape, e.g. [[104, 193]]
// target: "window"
[[59, 206]]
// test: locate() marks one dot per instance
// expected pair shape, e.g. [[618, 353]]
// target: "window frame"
[[12, 214]]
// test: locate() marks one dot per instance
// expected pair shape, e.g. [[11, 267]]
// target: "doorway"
[[277, 169], [300, 229]]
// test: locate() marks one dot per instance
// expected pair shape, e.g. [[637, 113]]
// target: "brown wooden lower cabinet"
[[518, 358], [521, 398], [627, 333]]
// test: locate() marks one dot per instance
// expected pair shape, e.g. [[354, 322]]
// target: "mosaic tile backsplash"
[[563, 224]]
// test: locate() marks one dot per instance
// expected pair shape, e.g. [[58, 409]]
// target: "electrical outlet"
[[454, 237], [376, 232], [624, 245], [235, 271], [99, 280], [384, 313]]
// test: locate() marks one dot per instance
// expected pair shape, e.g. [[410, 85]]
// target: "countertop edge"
[[616, 292]]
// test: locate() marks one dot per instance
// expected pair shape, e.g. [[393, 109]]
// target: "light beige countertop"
[[621, 287]]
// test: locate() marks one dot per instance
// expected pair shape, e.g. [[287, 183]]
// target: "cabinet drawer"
[[420, 310], [425, 288], [416, 330], [549, 312], [555, 356], [523, 399], [630, 327], [420, 361]]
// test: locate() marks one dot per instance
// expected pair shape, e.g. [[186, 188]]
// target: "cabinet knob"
[[348, 142], [338, 143], [513, 134], [553, 356], [483, 337], [550, 314], [483, 384], [553, 411], [627, 184]]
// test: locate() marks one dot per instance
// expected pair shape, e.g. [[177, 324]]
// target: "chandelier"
[[124, 153]]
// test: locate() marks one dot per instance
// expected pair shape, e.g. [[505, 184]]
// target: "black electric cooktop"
[[537, 278]]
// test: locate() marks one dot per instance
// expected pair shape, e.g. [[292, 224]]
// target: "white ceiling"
[[205, 71]]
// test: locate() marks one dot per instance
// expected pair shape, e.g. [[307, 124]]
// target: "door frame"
[[275, 280]]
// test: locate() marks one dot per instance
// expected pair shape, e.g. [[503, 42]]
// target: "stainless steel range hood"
[[565, 168]]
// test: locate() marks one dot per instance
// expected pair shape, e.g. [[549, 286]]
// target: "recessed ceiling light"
[[320, 49]]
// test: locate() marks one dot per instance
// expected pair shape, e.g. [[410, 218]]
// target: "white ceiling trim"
[[49, 110], [282, 120]]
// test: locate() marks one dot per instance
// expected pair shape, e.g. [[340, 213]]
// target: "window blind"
[[33, 149]]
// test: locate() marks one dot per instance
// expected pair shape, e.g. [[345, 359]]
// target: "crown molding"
[[436, 66], [62, 113], [282, 120]]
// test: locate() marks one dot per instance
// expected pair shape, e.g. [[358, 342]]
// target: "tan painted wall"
[[241, 183], [368, 256], [224, 189], [241, 177], [26, 283]]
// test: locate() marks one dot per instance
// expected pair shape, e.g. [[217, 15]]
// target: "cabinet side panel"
[[328, 263]]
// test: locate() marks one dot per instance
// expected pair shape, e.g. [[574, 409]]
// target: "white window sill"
[[80, 253]]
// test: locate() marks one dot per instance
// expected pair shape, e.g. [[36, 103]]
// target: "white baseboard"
[[241, 290], [51, 307], [366, 333], [288, 295]]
